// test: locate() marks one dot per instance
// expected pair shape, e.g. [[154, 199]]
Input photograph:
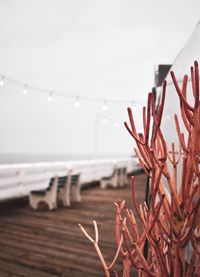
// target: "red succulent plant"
[[171, 219]]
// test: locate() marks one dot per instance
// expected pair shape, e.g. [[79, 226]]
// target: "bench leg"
[[34, 205], [33, 202], [103, 184], [52, 206], [76, 193], [66, 201]]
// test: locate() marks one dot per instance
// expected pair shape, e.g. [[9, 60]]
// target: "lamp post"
[[96, 132]]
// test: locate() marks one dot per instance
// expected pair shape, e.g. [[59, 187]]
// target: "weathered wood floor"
[[48, 244]]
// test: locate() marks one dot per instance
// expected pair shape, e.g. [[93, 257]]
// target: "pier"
[[48, 244]]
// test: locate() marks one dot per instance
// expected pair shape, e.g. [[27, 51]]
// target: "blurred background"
[[70, 69]]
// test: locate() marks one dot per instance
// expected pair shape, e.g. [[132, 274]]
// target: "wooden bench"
[[123, 180], [69, 189], [112, 180], [49, 195], [64, 188]]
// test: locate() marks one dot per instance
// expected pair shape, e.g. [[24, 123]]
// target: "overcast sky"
[[99, 49]]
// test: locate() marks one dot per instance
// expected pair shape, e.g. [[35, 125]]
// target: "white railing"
[[19, 179]]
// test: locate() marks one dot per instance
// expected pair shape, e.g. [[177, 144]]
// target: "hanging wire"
[[78, 99]]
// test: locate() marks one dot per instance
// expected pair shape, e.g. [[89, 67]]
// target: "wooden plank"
[[48, 244]]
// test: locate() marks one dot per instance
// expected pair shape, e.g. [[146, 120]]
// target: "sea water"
[[31, 158]]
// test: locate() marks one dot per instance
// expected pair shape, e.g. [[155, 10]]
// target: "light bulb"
[[105, 106], [77, 102], [104, 120], [25, 90], [50, 97], [2, 81]]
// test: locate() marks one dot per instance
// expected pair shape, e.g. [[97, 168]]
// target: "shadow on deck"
[[48, 244]]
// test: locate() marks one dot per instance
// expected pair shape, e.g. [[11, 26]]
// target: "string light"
[[77, 98], [2, 81], [25, 90], [77, 102], [105, 106], [50, 97]]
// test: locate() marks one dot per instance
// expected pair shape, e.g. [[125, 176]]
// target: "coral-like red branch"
[[172, 219]]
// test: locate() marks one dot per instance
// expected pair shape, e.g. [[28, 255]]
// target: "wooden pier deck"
[[48, 244]]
